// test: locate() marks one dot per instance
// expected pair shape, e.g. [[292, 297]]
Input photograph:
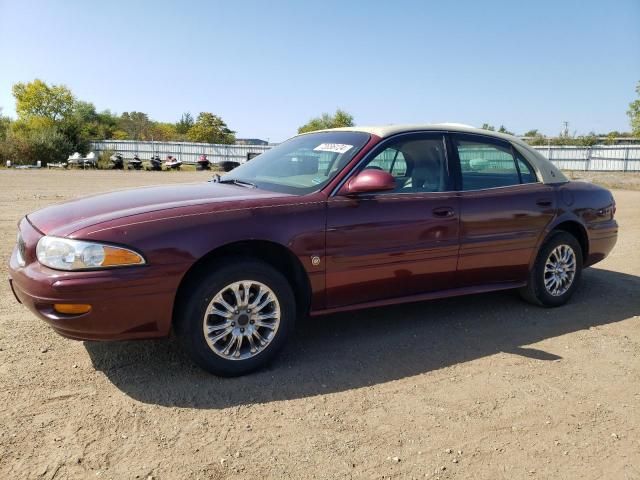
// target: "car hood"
[[65, 218]]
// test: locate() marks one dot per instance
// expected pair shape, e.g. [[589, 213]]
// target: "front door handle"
[[544, 202], [443, 212]]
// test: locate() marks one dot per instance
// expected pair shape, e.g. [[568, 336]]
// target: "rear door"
[[504, 210], [397, 243]]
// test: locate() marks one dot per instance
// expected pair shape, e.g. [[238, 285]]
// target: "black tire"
[[191, 310], [535, 292]]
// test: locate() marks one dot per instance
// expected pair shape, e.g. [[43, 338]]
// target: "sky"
[[267, 67]]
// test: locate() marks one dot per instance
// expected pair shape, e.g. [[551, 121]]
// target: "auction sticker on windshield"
[[333, 147]]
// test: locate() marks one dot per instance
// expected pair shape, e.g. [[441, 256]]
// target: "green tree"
[[107, 124], [611, 137], [210, 128], [164, 131], [486, 126], [12, 148], [5, 125], [184, 124], [503, 129], [23, 127], [634, 114], [84, 112], [80, 125], [535, 137], [588, 140], [37, 99], [562, 140], [120, 135], [27, 143], [52, 123], [324, 121], [50, 145], [137, 125], [538, 140]]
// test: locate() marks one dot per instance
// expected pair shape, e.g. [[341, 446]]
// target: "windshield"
[[301, 165]]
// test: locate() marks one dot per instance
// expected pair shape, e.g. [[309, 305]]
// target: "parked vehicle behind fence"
[[135, 163], [155, 164], [117, 161], [172, 163], [203, 163]]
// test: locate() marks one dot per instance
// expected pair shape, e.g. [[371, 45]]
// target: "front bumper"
[[126, 303]]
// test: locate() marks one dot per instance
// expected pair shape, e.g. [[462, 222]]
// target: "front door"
[[395, 243]]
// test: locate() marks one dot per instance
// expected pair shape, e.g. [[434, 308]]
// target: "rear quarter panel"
[[593, 207]]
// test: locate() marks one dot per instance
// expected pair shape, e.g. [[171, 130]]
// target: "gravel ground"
[[475, 387], [615, 180]]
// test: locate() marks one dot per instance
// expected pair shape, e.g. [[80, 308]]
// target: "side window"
[[418, 163], [399, 166], [486, 165], [526, 172], [390, 160]]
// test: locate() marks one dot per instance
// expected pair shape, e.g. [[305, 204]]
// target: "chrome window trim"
[[503, 186]]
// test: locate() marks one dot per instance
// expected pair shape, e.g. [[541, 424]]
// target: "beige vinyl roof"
[[546, 171], [384, 131]]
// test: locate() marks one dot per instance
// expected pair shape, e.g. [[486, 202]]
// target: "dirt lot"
[[475, 387], [615, 180]]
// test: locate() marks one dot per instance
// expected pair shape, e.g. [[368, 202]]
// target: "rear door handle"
[[443, 212], [544, 202]]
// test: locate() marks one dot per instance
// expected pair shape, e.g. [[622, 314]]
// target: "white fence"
[[620, 158], [188, 152], [617, 158]]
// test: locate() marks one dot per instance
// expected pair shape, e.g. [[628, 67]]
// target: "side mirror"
[[370, 181]]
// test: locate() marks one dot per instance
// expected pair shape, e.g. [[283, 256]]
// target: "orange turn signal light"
[[71, 308], [120, 256]]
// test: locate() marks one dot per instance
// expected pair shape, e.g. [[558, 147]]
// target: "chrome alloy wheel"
[[241, 320], [560, 270]]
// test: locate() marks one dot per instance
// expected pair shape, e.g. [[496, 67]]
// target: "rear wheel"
[[236, 318], [556, 271]]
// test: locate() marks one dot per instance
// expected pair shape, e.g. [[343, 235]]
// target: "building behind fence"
[[619, 158]]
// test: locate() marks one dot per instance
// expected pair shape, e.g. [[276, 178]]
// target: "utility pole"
[[565, 129]]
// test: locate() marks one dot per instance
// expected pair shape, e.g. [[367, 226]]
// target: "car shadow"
[[354, 350]]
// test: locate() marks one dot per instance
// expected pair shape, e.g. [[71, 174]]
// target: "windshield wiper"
[[235, 181]]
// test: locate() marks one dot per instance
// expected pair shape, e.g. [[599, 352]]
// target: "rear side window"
[[484, 164], [526, 172]]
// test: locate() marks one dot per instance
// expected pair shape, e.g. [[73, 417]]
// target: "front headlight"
[[67, 254]]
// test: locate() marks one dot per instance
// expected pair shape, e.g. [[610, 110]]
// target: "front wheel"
[[556, 271], [237, 317]]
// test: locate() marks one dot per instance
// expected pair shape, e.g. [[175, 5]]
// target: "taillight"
[[613, 207]]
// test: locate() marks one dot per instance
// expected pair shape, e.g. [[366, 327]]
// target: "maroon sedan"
[[328, 221]]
